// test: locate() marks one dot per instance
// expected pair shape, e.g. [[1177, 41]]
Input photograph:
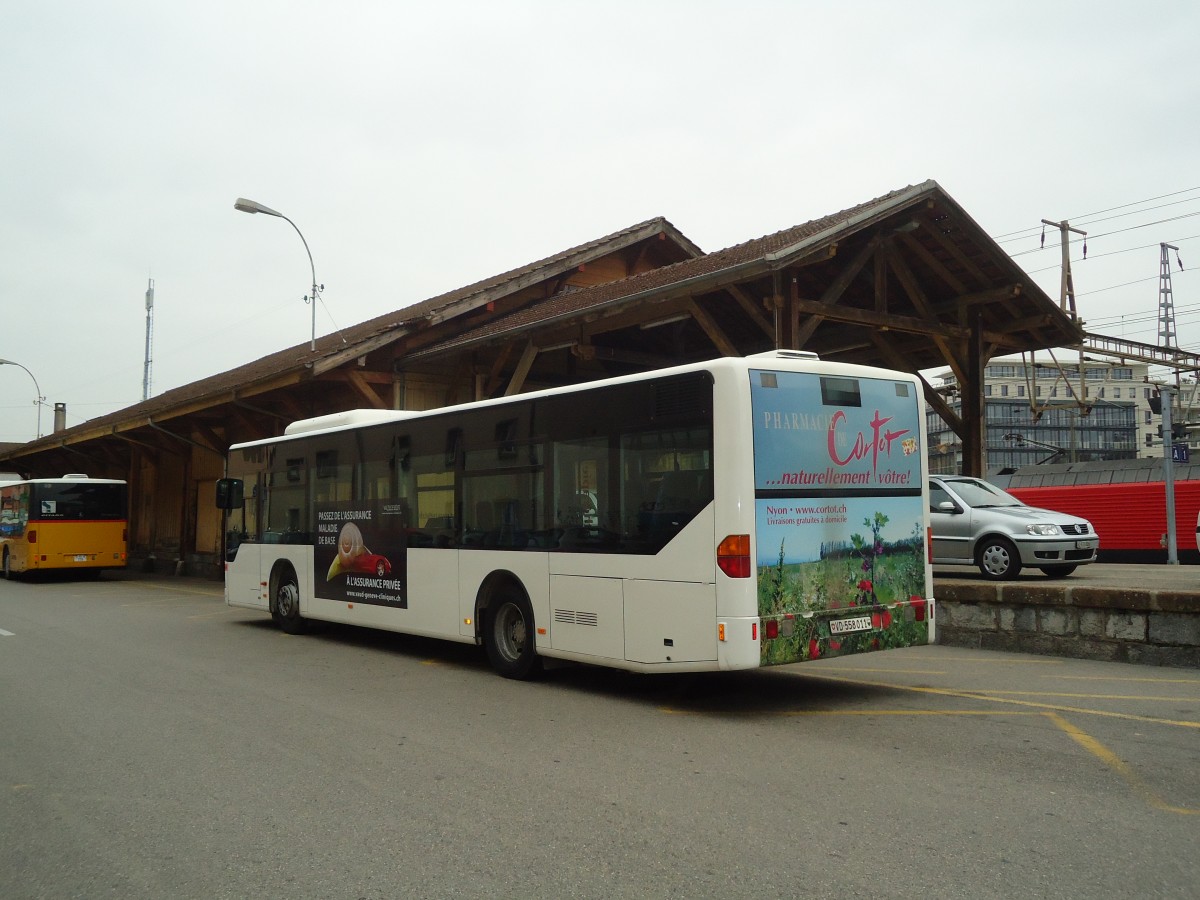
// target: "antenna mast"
[[149, 339]]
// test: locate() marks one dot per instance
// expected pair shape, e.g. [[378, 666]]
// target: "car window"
[[937, 495], [979, 494]]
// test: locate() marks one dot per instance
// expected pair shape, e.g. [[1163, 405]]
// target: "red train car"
[[1124, 500]]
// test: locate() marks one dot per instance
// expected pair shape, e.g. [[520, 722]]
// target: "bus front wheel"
[[285, 603], [509, 636]]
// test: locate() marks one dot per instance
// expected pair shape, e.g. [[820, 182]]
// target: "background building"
[[1107, 416]]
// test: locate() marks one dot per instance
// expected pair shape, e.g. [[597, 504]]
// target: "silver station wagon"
[[977, 524]]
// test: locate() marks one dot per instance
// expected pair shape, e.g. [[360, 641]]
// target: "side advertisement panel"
[[361, 553]]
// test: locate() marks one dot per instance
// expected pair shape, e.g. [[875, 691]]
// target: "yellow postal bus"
[[73, 522]]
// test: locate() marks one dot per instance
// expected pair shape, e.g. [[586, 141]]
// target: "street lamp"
[[38, 400], [250, 206]]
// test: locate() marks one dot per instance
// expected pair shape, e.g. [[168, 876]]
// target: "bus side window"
[[680, 491]]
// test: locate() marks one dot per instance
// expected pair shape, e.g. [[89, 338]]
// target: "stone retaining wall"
[[1158, 628]]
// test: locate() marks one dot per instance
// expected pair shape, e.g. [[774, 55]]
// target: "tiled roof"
[[379, 329], [711, 264]]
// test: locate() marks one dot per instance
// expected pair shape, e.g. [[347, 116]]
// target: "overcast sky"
[[420, 147]]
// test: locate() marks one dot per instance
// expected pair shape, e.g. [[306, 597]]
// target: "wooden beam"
[[995, 295], [942, 408], [896, 360], [971, 391], [881, 279], [211, 436], [522, 371], [800, 334], [751, 309], [953, 249], [910, 241], [838, 286], [854, 316], [495, 374], [363, 386], [712, 329], [912, 287]]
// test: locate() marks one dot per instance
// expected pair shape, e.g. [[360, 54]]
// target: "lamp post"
[[38, 400], [250, 206]]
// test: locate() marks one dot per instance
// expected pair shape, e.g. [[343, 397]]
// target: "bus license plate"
[[80, 557], [846, 626]]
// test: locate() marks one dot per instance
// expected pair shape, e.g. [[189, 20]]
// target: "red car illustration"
[[371, 563]]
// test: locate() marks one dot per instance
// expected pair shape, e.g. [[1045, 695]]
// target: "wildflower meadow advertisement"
[[839, 513]]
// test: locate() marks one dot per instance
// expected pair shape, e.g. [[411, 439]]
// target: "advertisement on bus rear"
[[839, 514], [361, 553], [818, 433]]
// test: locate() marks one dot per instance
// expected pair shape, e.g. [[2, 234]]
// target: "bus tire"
[[998, 559], [509, 635], [285, 601], [8, 572]]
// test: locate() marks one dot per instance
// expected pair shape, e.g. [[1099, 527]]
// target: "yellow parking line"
[[1088, 696], [1118, 765], [1195, 681], [893, 671], [834, 713], [978, 695], [976, 660]]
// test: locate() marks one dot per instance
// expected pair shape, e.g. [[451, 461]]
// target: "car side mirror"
[[948, 506]]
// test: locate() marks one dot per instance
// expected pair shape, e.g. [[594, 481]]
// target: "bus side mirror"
[[230, 493]]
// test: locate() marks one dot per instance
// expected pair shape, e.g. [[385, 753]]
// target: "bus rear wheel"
[[8, 573], [509, 636], [285, 603]]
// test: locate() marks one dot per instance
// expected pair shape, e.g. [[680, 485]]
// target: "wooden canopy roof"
[[907, 280]]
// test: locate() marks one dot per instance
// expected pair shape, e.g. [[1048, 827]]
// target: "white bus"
[[717, 516]]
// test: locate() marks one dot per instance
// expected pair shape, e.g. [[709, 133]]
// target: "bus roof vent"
[[76, 475], [781, 353], [345, 419]]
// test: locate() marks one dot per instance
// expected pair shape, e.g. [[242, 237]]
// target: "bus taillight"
[[31, 536], [733, 556]]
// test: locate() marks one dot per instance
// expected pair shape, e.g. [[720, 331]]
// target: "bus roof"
[[66, 479], [798, 360]]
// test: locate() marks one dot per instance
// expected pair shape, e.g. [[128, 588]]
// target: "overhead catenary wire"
[[1014, 235], [1126, 250], [1093, 237]]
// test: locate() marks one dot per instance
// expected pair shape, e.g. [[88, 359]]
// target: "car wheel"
[[1059, 571], [285, 603], [997, 559], [509, 636]]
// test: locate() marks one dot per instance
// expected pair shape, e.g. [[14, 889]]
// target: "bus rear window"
[[78, 501], [840, 392]]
